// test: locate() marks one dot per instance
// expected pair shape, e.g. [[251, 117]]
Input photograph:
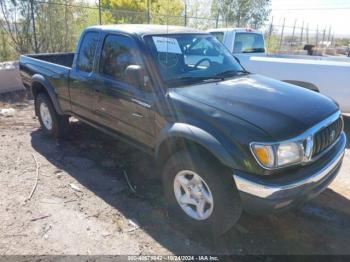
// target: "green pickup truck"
[[225, 139]]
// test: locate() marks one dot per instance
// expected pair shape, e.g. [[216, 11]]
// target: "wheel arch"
[[41, 85], [183, 136]]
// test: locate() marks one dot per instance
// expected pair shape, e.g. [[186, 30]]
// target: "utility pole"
[[301, 35], [291, 42], [329, 33], [148, 12], [271, 27], [34, 29], [324, 35], [270, 31], [99, 12], [186, 13], [316, 37], [284, 21]]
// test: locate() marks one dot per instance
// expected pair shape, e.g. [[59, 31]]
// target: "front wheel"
[[200, 194]]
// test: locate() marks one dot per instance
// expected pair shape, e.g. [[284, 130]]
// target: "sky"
[[324, 13], [321, 13]]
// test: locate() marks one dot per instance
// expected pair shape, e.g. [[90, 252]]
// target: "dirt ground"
[[83, 205]]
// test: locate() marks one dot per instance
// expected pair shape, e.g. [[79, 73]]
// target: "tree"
[[260, 11], [6, 48], [242, 12], [60, 23], [15, 23], [198, 14], [57, 24], [136, 11], [167, 12]]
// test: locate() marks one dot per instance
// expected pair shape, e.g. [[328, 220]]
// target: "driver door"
[[121, 105]]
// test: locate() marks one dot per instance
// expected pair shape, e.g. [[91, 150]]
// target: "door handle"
[[137, 115], [140, 103]]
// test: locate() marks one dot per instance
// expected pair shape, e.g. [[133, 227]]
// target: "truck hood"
[[282, 110]]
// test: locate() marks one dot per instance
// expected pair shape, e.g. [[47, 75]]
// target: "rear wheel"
[[199, 194], [51, 122]]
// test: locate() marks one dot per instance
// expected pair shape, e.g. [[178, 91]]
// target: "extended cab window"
[[87, 52], [118, 53], [248, 43]]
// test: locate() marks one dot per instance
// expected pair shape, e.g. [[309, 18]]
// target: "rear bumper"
[[268, 194]]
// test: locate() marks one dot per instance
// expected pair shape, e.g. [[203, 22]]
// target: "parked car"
[[225, 139], [327, 75]]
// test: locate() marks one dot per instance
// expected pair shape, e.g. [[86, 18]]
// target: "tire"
[[51, 122], [226, 208]]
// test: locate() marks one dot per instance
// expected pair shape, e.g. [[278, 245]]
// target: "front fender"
[[198, 136], [37, 78]]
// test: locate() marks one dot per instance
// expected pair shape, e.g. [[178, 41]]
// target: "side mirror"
[[136, 76]]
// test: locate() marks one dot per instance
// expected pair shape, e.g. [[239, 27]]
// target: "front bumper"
[[261, 195]]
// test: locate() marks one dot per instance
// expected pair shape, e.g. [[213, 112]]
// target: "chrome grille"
[[326, 136]]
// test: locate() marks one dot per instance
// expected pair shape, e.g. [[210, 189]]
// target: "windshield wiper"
[[254, 50], [190, 79], [230, 73], [204, 79]]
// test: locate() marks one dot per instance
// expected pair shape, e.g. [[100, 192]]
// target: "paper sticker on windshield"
[[167, 45]]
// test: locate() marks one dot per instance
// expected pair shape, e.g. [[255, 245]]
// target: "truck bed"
[[64, 59], [54, 69]]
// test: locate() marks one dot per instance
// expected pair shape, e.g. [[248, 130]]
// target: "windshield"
[[191, 58], [248, 43]]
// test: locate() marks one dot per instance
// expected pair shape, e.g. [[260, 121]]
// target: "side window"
[[118, 53], [87, 52]]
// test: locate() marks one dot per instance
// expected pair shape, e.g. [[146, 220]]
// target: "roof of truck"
[[143, 29]]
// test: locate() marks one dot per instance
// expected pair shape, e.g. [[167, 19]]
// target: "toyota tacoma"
[[225, 139]]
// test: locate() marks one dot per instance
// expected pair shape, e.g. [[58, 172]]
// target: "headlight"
[[278, 155], [291, 152]]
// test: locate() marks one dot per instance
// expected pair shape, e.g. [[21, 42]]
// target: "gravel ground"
[[83, 205]]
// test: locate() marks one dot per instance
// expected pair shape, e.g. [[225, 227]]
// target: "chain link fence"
[[299, 38], [56, 27]]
